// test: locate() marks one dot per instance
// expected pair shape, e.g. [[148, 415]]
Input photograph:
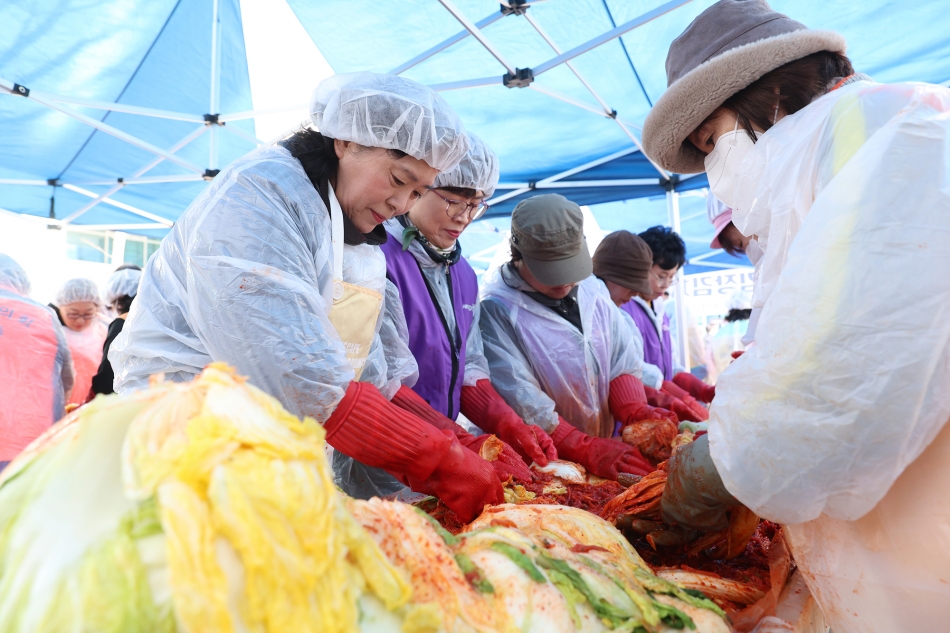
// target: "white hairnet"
[[13, 275], [122, 283], [477, 170], [76, 290], [389, 112]]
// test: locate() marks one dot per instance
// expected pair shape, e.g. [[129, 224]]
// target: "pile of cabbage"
[[207, 507]]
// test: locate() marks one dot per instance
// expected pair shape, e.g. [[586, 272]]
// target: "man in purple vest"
[[669, 254], [439, 296]]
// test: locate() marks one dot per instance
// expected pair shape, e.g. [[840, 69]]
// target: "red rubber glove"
[[507, 464], [695, 387], [658, 398], [602, 457], [688, 402], [367, 427], [488, 410], [627, 400], [736, 355], [650, 429], [684, 410]]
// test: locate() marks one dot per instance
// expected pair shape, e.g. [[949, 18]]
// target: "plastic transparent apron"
[[355, 308], [354, 315], [888, 571]]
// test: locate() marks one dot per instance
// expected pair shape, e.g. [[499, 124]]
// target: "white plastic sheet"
[[848, 381]]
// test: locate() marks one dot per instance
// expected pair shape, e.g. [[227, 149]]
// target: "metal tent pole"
[[120, 205], [119, 107], [682, 331], [121, 183], [215, 88], [441, 46], [649, 16], [478, 35], [564, 174], [608, 112], [99, 125]]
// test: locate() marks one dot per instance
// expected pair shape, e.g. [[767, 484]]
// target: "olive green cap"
[[548, 231]]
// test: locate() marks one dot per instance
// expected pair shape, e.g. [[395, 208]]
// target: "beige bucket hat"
[[725, 49]]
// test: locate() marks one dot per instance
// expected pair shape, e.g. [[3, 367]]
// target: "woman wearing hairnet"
[[276, 269], [439, 297], [834, 422], [78, 302], [36, 370], [120, 292], [558, 349]]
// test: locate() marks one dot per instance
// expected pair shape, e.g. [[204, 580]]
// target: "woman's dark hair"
[[317, 154], [516, 255], [669, 250], [727, 242], [122, 304], [792, 86], [736, 314], [464, 192]]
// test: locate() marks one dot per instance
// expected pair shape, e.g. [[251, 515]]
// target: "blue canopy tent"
[[122, 110]]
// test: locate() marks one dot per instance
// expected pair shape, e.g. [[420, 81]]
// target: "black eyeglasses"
[[455, 209]]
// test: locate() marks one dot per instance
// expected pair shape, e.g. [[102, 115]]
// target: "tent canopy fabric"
[[573, 129]]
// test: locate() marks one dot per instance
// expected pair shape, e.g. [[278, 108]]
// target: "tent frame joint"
[[53, 182], [209, 174], [212, 119], [514, 7], [20, 89], [522, 78], [669, 184]]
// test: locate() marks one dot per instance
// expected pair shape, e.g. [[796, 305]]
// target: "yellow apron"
[[355, 308]]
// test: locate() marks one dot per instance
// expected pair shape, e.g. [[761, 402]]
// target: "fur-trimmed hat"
[[726, 48]]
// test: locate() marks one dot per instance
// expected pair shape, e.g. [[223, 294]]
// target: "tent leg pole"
[[682, 329], [215, 87]]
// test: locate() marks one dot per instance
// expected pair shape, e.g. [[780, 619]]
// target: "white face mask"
[[723, 162], [754, 252]]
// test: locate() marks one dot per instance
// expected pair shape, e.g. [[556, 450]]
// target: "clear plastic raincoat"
[[542, 365], [823, 423], [246, 277]]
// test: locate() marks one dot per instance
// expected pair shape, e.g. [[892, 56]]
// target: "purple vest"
[[656, 351], [441, 362]]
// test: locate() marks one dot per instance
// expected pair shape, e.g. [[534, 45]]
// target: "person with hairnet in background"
[[276, 269], [560, 352], [437, 314], [623, 262], [36, 368], [120, 292], [79, 303], [834, 423]]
